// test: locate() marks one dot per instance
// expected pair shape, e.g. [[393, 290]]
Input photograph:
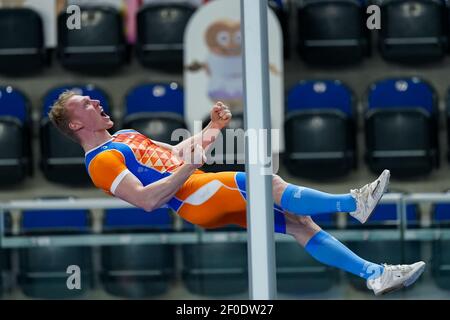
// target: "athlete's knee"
[[305, 221], [278, 186]]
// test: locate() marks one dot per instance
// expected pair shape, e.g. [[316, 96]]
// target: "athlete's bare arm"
[[156, 194], [220, 117]]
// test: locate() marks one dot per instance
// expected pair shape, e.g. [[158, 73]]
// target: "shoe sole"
[[413, 278], [386, 183]]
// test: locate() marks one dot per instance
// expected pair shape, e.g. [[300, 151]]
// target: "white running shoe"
[[368, 196], [395, 277]]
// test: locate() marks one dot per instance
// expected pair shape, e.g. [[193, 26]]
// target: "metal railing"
[[402, 232]]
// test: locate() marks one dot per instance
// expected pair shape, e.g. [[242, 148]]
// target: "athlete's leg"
[[327, 249], [305, 201]]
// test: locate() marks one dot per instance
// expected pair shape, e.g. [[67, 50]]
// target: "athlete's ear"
[[75, 125]]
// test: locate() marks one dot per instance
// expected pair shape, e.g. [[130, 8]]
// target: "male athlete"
[[149, 174]]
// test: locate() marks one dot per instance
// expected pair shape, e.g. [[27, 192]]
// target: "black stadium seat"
[[320, 130], [22, 48], [160, 31], [99, 46], [332, 32], [137, 271], [401, 127], [413, 30], [43, 270], [15, 144], [155, 110]]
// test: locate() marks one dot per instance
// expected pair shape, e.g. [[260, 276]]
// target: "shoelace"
[[396, 267]]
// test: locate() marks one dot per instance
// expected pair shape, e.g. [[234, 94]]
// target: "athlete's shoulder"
[[123, 131]]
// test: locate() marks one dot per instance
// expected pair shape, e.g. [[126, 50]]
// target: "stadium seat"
[[447, 119], [401, 127], [5, 260], [22, 48], [385, 251], [215, 269], [137, 271], [155, 110], [62, 160], [440, 260], [320, 130], [332, 32], [98, 46], [160, 31], [225, 156], [413, 30], [43, 269], [15, 136], [281, 10], [300, 274]]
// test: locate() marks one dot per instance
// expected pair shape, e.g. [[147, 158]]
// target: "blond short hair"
[[59, 115]]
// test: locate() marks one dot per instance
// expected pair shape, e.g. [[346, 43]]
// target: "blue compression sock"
[[328, 250], [305, 201]]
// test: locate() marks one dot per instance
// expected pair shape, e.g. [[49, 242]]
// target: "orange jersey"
[[206, 199]]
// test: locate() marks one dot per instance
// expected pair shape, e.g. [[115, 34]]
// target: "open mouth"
[[103, 114]]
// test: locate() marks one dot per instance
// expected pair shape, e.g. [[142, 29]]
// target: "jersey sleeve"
[[107, 170]]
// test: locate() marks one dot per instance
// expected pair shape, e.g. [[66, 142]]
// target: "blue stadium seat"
[[62, 160], [440, 261], [22, 48], [215, 269], [98, 46], [384, 251], [160, 31], [398, 109], [137, 271], [320, 129], [297, 272], [15, 136], [413, 30], [332, 32], [155, 110], [385, 216], [43, 269]]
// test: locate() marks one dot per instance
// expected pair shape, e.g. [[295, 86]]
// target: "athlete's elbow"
[[148, 206]]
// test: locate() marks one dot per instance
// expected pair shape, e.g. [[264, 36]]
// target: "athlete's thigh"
[[212, 200]]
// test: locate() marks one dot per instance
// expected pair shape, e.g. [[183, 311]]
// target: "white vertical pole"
[[261, 246]]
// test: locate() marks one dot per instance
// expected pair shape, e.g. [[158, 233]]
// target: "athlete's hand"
[[196, 158], [220, 115]]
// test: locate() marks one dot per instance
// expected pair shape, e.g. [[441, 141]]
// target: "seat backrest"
[[21, 28], [397, 93], [327, 94], [13, 103], [100, 26], [413, 18], [163, 23], [60, 221], [163, 97], [137, 219], [331, 19], [386, 214]]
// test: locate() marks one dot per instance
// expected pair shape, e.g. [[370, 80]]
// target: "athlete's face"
[[87, 113]]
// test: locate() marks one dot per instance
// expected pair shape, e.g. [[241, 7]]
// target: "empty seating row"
[[99, 45], [329, 32], [209, 269], [339, 31]]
